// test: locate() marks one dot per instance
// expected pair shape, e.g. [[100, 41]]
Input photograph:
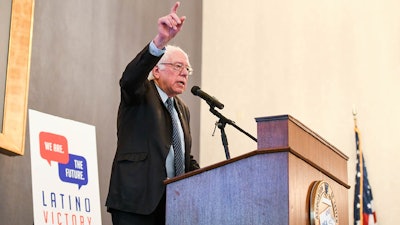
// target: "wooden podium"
[[271, 185]]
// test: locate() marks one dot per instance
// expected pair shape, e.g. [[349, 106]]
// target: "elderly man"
[[154, 140]]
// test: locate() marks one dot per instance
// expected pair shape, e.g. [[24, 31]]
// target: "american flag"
[[364, 213]]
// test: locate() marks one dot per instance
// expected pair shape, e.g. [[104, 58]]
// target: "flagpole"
[[360, 164]]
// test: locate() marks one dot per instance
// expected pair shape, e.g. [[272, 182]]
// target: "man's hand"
[[168, 27]]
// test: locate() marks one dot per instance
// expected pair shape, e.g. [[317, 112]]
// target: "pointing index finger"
[[174, 8]]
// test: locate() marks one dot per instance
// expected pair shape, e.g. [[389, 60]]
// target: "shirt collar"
[[162, 94]]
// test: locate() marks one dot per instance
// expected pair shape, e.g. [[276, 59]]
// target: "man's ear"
[[156, 72]]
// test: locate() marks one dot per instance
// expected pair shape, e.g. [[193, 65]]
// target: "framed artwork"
[[15, 95]]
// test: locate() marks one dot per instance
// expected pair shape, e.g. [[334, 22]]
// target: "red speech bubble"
[[53, 147]]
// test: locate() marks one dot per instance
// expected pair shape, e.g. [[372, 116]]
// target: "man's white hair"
[[169, 50]]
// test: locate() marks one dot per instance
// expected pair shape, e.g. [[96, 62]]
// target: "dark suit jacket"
[[144, 139]]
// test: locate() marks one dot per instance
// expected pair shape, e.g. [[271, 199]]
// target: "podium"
[[271, 185]]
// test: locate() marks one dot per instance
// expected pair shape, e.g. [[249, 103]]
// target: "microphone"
[[209, 99]]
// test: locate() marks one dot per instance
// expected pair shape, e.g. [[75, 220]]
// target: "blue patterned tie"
[[176, 141]]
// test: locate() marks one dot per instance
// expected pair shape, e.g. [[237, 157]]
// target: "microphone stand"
[[221, 125]]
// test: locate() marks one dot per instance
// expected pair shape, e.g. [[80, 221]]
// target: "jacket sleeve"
[[134, 77]]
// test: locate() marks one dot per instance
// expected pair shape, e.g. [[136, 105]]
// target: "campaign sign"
[[65, 184]]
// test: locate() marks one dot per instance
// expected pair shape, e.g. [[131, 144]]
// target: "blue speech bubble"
[[75, 171]]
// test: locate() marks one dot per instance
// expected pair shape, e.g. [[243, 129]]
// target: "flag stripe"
[[364, 213]]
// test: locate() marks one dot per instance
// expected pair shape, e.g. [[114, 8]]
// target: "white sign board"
[[65, 183]]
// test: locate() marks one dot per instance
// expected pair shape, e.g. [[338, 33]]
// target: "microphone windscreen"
[[195, 89]]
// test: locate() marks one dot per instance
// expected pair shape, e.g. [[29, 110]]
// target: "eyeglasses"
[[179, 67]]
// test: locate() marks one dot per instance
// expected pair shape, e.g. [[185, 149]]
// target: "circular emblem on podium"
[[323, 210]]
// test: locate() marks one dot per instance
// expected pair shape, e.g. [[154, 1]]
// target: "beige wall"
[[313, 60]]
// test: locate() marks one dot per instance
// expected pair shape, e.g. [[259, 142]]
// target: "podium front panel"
[[245, 192]]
